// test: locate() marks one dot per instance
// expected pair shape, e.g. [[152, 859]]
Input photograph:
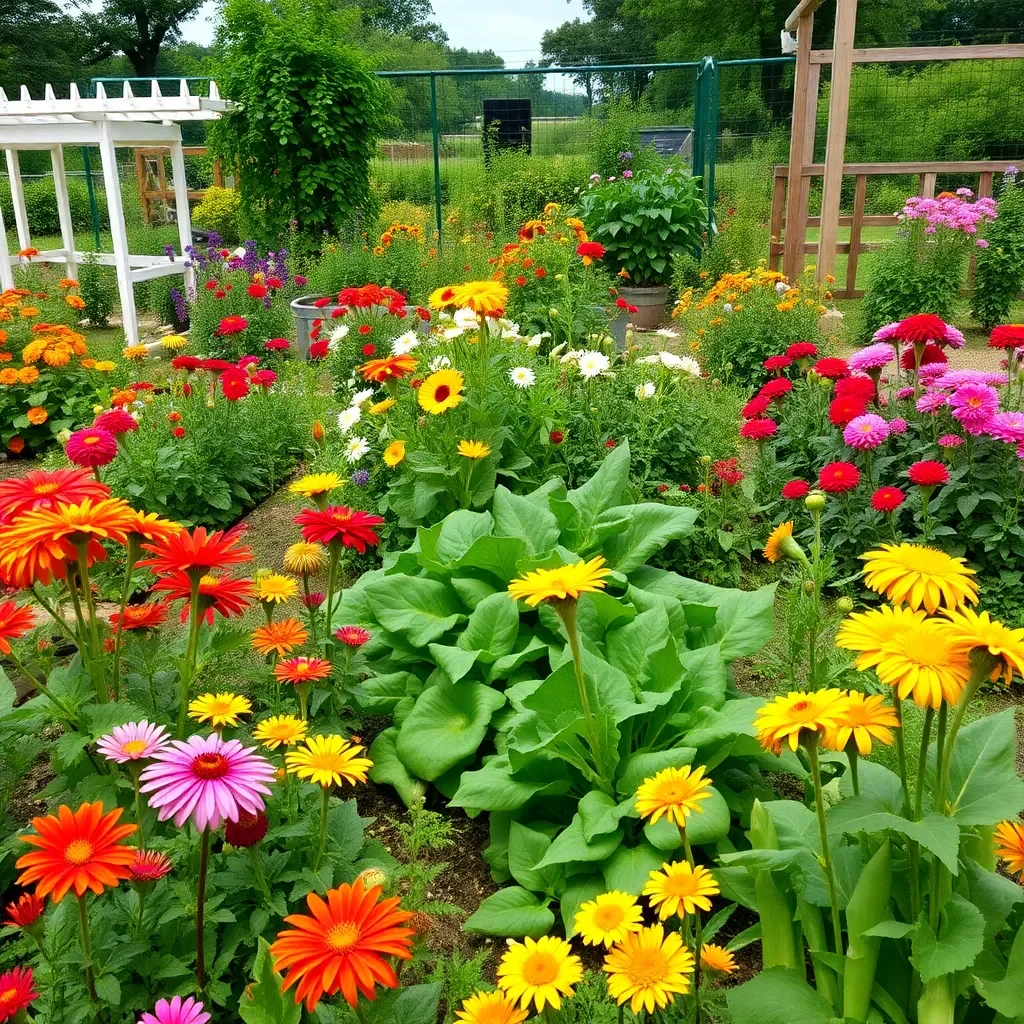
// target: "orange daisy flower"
[[391, 368], [280, 638], [197, 552], [15, 622], [224, 594], [76, 849], [343, 945], [302, 670], [43, 488], [140, 616]]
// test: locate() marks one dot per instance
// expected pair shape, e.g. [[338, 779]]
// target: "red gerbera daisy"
[[756, 407], [277, 345], [24, 911], [232, 325], [1007, 336], [842, 410], [42, 488], [590, 251], [795, 489], [928, 473], [931, 353], [338, 523], [838, 477], [318, 350], [832, 368], [354, 636], [887, 499], [759, 429], [149, 866], [15, 622], [802, 350], [197, 552], [256, 291], [224, 594], [91, 447], [187, 363], [776, 363], [920, 328], [140, 616], [16, 991]]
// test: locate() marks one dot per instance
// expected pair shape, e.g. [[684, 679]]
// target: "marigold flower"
[[539, 971], [280, 730], [919, 576], [679, 889], [1009, 845], [608, 919], [561, 583], [798, 717], [76, 849], [328, 761], [220, 709], [649, 969], [440, 392], [304, 558], [474, 449]]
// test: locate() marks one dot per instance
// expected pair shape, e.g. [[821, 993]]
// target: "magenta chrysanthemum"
[[176, 1011], [904, 393], [950, 441], [932, 401], [208, 779], [974, 405], [91, 447], [866, 432], [929, 373], [1007, 426], [886, 332], [958, 378], [133, 741], [953, 338], [898, 425], [872, 357]]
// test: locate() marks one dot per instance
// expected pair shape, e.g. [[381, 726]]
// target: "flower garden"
[[580, 674]]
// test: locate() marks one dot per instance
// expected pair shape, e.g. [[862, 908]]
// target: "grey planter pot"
[[304, 312]]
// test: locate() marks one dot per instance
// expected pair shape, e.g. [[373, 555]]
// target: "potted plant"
[[643, 220]]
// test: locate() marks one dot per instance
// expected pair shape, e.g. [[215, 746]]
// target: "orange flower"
[[67, 282], [148, 615], [381, 370], [15, 622], [302, 670], [343, 945], [16, 445], [8, 376], [37, 415], [79, 849], [75, 301], [28, 252], [28, 375], [123, 398], [196, 552], [280, 638]]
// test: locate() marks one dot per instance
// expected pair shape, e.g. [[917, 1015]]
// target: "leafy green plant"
[[999, 271], [644, 220], [218, 211], [98, 288]]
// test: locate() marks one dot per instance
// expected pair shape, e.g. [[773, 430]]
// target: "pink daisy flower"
[[953, 337], [886, 332], [974, 405], [873, 357], [929, 373], [904, 393], [176, 1011], [957, 378], [91, 447], [208, 779], [1007, 426], [950, 441], [898, 425], [932, 401], [133, 742], [353, 636], [866, 432]]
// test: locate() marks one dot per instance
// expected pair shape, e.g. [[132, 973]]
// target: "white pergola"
[[107, 122]]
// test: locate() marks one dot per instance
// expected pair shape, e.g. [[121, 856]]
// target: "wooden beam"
[[835, 148], [796, 203], [855, 229], [804, 9], [906, 54], [925, 167]]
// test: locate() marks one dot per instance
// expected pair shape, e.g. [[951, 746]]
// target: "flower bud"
[[844, 605], [808, 587], [815, 501], [373, 877]]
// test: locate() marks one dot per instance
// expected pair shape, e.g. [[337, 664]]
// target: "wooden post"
[[796, 211], [218, 173], [140, 175], [67, 230], [777, 215], [18, 199], [929, 186], [855, 229], [835, 148], [181, 208]]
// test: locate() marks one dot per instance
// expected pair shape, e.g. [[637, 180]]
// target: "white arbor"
[[106, 122]]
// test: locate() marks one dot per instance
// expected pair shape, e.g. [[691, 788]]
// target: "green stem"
[[922, 763], [136, 769], [204, 863], [57, 619], [194, 618], [310, 610], [324, 808], [826, 853], [901, 754], [334, 550], [131, 556], [360, 1013], [83, 921], [257, 870], [854, 758], [43, 689], [698, 931]]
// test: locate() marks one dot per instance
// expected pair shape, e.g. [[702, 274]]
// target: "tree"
[[572, 44], [39, 43], [137, 28]]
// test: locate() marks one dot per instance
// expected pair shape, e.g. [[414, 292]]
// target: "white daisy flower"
[[465, 318], [348, 418], [666, 332], [535, 341], [361, 397], [522, 376], [338, 335], [239, 252], [593, 363], [727, 307], [687, 364], [405, 343], [451, 333], [439, 363], [646, 390], [356, 449]]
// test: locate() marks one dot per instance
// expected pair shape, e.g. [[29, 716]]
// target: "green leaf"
[[526, 851], [580, 890], [516, 516], [459, 532], [264, 1002], [778, 996], [571, 845], [606, 488], [984, 787], [1006, 997], [628, 869], [960, 940], [644, 764], [419, 608], [411, 1004], [499, 556], [935, 832], [512, 912], [651, 526], [389, 769], [379, 695], [600, 814], [454, 661], [495, 788], [492, 629], [703, 829], [446, 727]]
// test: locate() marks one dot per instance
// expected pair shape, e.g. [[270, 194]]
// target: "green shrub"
[[218, 212], [616, 131], [97, 285], [1000, 267], [41, 205]]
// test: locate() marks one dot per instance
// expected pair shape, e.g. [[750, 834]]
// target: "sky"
[[512, 30]]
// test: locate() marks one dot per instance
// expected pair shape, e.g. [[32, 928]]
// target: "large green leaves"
[[649, 527], [492, 628], [512, 912], [422, 609], [778, 996], [446, 727], [984, 787], [959, 941], [516, 516]]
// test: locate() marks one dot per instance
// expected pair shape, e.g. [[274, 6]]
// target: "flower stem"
[[131, 556], [194, 618], [854, 758], [43, 689], [922, 763], [310, 610], [901, 754], [332, 578], [698, 931], [204, 863], [324, 808], [83, 921], [826, 853], [57, 619]]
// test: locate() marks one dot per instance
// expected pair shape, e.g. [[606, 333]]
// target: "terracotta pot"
[[650, 303]]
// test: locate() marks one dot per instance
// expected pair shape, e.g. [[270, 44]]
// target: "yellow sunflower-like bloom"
[[440, 392], [539, 971], [608, 919], [314, 484], [1009, 845], [474, 449], [488, 298], [864, 718], [868, 632], [649, 969], [971, 629], [920, 577], [302, 557], [717, 958], [674, 793], [381, 407], [135, 352], [219, 709], [280, 638], [173, 341], [394, 454], [566, 581], [490, 1008], [780, 544], [280, 730], [328, 761], [679, 889], [798, 717], [273, 588]]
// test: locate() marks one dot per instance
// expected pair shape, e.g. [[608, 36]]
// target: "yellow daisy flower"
[[280, 730], [135, 352], [649, 969], [273, 588], [302, 557], [314, 484], [440, 392], [717, 958], [539, 971], [864, 718], [490, 1008], [474, 449], [608, 919], [219, 709], [394, 454], [1009, 845], [328, 761], [920, 577], [674, 793], [679, 889], [379, 407], [488, 298], [566, 581], [791, 718], [173, 341], [780, 544], [971, 629]]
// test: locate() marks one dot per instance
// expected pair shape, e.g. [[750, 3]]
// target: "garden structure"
[[109, 122]]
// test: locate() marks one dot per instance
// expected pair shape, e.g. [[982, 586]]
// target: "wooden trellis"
[[150, 167]]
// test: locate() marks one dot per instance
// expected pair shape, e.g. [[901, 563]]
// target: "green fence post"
[[93, 208], [712, 143], [698, 123], [436, 134]]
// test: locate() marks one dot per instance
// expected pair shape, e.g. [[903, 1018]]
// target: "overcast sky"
[[512, 30]]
